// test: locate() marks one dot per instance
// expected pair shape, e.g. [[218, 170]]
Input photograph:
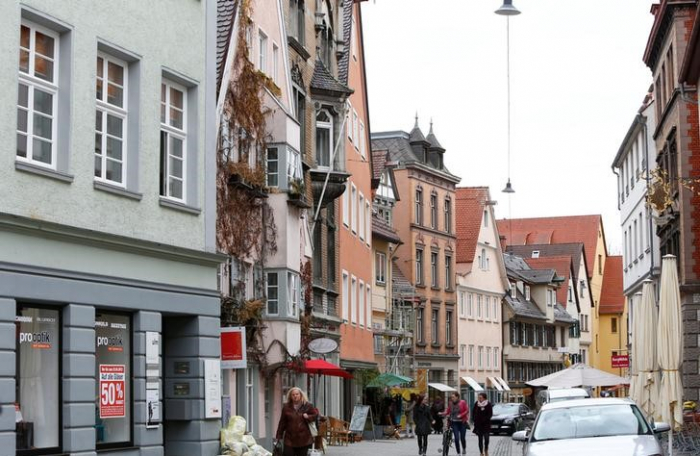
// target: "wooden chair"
[[322, 434], [339, 431]]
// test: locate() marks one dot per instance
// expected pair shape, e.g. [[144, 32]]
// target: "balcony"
[[334, 188]]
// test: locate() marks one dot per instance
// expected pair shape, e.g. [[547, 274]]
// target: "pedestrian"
[[481, 415], [436, 410], [423, 419], [408, 411], [293, 428], [458, 411]]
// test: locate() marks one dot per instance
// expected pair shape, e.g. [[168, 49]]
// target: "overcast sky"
[[577, 81]]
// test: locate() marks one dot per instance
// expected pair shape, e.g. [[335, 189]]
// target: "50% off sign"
[[112, 390]]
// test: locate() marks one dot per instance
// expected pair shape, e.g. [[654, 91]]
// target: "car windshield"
[[589, 421], [505, 409]]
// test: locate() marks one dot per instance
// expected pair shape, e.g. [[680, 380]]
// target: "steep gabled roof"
[[225, 15], [399, 146], [523, 308], [470, 203], [574, 250], [555, 230], [612, 297], [323, 82], [562, 265], [384, 231]]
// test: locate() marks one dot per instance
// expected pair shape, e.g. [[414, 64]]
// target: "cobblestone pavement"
[[499, 446]]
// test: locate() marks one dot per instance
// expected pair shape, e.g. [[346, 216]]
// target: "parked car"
[[509, 417], [584, 427], [561, 394]]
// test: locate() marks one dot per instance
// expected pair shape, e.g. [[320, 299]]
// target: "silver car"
[[585, 427]]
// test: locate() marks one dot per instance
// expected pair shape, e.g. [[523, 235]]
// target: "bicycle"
[[446, 437]]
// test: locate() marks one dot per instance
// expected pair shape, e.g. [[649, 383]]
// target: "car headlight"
[[508, 421]]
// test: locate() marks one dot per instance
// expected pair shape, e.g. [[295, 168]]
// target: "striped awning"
[[473, 383], [442, 387], [495, 383], [503, 383]]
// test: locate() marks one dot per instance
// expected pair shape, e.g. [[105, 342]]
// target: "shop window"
[[38, 372], [113, 373]]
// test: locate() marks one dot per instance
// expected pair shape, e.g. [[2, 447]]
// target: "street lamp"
[[508, 10]]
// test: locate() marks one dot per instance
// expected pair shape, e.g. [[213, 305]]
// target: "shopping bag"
[[278, 449], [313, 429]]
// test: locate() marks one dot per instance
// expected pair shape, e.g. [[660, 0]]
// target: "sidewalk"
[[499, 446]]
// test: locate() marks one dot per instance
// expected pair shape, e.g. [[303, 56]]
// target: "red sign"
[[233, 348], [112, 391], [620, 361]]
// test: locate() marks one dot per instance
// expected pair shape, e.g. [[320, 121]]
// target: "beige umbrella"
[[669, 346], [634, 342], [648, 391]]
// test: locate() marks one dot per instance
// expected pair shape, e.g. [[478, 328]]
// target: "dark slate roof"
[[432, 139], [401, 285], [398, 143], [344, 62], [416, 134], [225, 15], [562, 315], [539, 276], [323, 82], [523, 308], [384, 231], [515, 262], [573, 249]]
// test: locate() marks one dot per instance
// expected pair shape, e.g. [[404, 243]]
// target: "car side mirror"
[[660, 427], [520, 436]]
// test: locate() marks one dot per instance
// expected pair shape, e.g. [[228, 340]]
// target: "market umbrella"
[[579, 375], [648, 392], [388, 379], [635, 305], [317, 367], [669, 346]]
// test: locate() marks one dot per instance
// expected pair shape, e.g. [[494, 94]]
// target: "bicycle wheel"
[[446, 442]]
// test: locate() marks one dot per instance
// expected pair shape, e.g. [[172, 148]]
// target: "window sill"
[[42, 171], [109, 188], [179, 206], [420, 285], [434, 345], [380, 284], [297, 46], [421, 344], [434, 288]]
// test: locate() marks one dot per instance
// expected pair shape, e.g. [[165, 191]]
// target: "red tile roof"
[[469, 213], [561, 264], [612, 297], [555, 230]]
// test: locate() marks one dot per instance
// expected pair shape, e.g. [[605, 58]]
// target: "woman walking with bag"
[[297, 425], [423, 420], [482, 413]]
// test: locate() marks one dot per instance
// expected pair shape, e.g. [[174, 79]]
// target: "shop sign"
[[112, 390], [619, 361], [212, 388], [233, 349]]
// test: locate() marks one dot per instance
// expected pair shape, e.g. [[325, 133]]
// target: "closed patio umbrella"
[[648, 391], [634, 343], [669, 346]]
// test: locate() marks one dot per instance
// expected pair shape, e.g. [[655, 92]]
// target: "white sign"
[[212, 388], [563, 349], [153, 407], [152, 347]]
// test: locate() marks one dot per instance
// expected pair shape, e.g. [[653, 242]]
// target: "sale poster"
[[112, 390]]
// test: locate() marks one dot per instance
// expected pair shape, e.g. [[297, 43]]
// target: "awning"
[[503, 383], [320, 367], [442, 387], [495, 383], [473, 383]]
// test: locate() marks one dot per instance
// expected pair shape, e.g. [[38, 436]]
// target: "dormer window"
[[513, 290], [527, 292], [535, 254]]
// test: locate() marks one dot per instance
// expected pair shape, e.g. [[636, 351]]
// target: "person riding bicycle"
[[458, 413]]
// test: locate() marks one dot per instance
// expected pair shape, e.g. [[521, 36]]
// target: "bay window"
[[324, 138]]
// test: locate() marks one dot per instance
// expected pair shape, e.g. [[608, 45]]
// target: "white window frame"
[[470, 305], [275, 62], [368, 222], [480, 357], [346, 295], [361, 302], [353, 205], [353, 300], [380, 268], [496, 358], [527, 292], [368, 304], [346, 208], [487, 307], [361, 216], [326, 126], [292, 294], [293, 166], [105, 109], [471, 357], [495, 309], [488, 357], [479, 309], [462, 356], [267, 293], [355, 127], [262, 51], [180, 134], [34, 83], [268, 173], [462, 300]]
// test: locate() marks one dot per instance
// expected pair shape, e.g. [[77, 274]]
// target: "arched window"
[[324, 138]]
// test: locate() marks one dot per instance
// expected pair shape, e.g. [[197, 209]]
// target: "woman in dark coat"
[[481, 414], [437, 408], [423, 420], [297, 414]]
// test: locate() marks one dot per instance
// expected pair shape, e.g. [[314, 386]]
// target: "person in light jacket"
[[293, 427], [458, 412], [481, 414], [423, 419]]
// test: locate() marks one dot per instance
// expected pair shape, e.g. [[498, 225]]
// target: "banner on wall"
[[233, 348], [112, 390]]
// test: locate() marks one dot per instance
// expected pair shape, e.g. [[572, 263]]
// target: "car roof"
[[564, 392], [508, 403], [587, 402]]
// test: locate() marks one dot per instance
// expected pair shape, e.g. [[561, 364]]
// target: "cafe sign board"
[[619, 361]]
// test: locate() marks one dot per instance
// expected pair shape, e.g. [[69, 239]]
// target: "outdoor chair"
[[339, 431]]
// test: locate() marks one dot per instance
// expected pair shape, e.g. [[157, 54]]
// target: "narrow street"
[[499, 446]]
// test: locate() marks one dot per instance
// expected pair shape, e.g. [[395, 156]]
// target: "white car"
[[585, 427]]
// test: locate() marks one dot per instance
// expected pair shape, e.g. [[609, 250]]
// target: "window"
[[471, 357], [37, 390], [448, 215], [513, 290], [272, 293], [300, 113], [292, 294], [433, 211], [355, 127], [348, 121], [346, 208], [296, 20], [324, 138], [353, 300], [419, 267], [368, 223], [173, 140], [481, 357], [527, 292], [262, 52], [275, 62], [368, 303], [478, 306], [361, 303], [486, 218], [434, 327], [470, 305], [483, 261], [353, 207], [111, 120], [462, 304], [272, 168], [550, 297], [380, 268], [462, 356], [613, 325], [113, 372], [496, 358], [488, 357], [38, 93], [514, 327], [448, 327], [378, 344], [495, 309], [487, 307], [361, 216], [361, 139], [419, 206], [345, 292], [420, 336], [600, 264], [434, 269]]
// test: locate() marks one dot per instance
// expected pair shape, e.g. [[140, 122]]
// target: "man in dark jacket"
[[481, 414], [436, 409]]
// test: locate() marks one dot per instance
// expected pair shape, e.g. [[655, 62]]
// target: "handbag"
[[313, 429], [278, 449]]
